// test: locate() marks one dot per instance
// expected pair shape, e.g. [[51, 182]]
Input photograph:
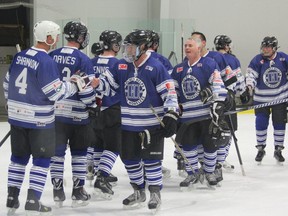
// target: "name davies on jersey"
[[27, 62], [70, 60]]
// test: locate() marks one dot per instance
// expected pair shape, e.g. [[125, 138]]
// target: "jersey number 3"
[[21, 81]]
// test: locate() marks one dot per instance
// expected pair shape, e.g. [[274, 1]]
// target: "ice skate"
[[34, 207], [136, 199], [155, 198], [12, 203], [112, 179], [260, 155], [80, 197], [166, 173], [211, 181], [218, 174], [102, 188], [58, 192], [188, 181], [228, 167], [278, 155]]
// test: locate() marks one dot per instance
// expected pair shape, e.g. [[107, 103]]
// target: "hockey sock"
[[153, 172], [107, 162]]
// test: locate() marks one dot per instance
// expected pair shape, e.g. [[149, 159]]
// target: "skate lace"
[[155, 199]]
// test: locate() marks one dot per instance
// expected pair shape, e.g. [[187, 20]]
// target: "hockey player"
[[31, 87], [152, 49], [107, 125], [267, 77], [143, 82], [227, 76], [223, 45], [191, 77], [97, 49], [72, 116]]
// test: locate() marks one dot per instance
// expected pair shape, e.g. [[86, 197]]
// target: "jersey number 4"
[[21, 81]]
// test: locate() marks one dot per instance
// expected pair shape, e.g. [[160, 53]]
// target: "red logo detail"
[[179, 69], [122, 67]]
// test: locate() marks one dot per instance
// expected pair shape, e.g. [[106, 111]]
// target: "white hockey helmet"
[[45, 28]]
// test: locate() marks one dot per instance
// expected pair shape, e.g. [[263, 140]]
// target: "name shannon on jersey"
[[27, 62]]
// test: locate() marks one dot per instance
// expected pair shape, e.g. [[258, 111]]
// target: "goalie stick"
[[185, 125]]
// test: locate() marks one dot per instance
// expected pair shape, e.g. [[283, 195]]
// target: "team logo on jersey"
[[122, 67], [135, 91], [148, 68], [191, 87], [272, 77], [179, 69]]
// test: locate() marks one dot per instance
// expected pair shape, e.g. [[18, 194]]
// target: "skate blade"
[[156, 210], [187, 189], [37, 213], [79, 203], [11, 211], [134, 206], [259, 163], [219, 184], [205, 186], [99, 194], [58, 204], [279, 163]]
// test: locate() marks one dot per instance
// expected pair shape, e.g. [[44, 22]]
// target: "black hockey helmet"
[[140, 40], [270, 41], [138, 37], [154, 37], [221, 41], [110, 39], [78, 32], [97, 48]]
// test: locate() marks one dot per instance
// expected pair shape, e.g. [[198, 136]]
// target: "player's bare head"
[[44, 29], [269, 46], [77, 32], [192, 47]]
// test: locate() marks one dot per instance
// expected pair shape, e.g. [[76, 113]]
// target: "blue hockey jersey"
[[73, 110], [32, 85], [268, 77], [139, 89], [100, 65], [190, 80]]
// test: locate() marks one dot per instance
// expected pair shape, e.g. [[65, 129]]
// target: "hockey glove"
[[230, 100], [219, 135], [217, 112], [180, 109], [81, 79], [170, 123], [246, 95], [206, 95]]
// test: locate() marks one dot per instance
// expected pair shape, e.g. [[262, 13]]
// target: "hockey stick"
[[185, 125], [182, 41], [173, 140], [236, 145], [5, 138], [171, 55]]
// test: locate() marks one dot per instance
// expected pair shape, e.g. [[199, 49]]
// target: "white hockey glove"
[[81, 79]]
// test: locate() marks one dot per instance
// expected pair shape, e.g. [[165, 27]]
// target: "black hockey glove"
[[217, 112], [170, 122], [219, 135], [94, 112], [230, 100], [206, 95], [81, 79], [246, 95]]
